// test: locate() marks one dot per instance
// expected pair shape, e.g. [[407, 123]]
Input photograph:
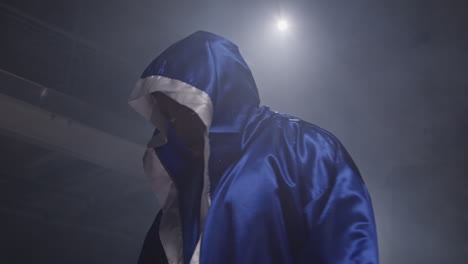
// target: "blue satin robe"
[[283, 191], [288, 194]]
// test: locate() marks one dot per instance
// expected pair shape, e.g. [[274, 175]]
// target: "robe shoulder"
[[309, 136], [317, 154]]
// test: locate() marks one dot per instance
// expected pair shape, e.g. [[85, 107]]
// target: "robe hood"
[[213, 68]]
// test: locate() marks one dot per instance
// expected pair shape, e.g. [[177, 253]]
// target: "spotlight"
[[282, 25]]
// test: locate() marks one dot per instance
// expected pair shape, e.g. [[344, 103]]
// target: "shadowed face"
[[188, 126]]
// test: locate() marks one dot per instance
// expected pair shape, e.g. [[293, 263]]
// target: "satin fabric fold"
[[293, 195]]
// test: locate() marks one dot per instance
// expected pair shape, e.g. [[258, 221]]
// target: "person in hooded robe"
[[237, 182]]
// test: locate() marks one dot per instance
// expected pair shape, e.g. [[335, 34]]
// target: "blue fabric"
[[283, 190], [186, 172], [294, 195]]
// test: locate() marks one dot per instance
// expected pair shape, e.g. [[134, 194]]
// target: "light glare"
[[282, 25]]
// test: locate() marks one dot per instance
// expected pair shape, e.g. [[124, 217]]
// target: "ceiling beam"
[[60, 133]]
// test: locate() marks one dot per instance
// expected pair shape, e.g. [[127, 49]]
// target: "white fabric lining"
[[196, 99], [142, 101]]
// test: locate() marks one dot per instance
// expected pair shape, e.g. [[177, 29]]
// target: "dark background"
[[388, 78]]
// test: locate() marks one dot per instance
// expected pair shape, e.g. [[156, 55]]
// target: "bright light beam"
[[282, 25]]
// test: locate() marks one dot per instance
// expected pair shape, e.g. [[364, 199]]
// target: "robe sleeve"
[[339, 218]]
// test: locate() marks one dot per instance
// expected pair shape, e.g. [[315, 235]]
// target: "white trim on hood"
[[185, 94], [143, 102]]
